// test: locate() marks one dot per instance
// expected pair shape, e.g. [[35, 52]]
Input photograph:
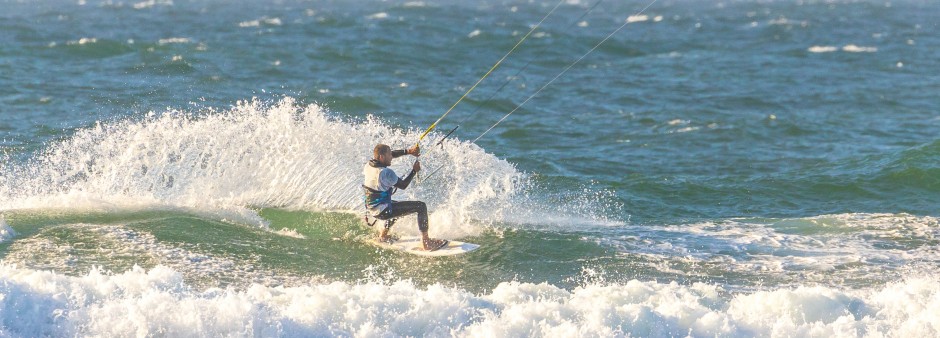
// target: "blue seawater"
[[715, 168]]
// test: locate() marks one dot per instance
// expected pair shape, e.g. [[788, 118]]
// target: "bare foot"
[[434, 244]]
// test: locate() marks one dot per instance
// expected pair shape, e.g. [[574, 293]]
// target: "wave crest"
[[255, 155]]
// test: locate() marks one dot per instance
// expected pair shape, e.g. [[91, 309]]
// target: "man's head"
[[383, 154]]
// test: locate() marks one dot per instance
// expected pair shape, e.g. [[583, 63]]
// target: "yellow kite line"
[[434, 125]]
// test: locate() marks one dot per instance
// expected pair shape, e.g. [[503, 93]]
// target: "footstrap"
[[444, 243], [366, 219]]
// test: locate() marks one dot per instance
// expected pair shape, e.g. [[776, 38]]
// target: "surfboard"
[[412, 245]]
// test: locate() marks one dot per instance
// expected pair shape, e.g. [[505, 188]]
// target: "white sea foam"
[[822, 49], [159, 302], [152, 3], [119, 244], [781, 21], [260, 154], [258, 22], [847, 48], [675, 122], [686, 129], [685, 126], [859, 49], [6, 232], [290, 233], [173, 40], [82, 41], [638, 18], [853, 248], [378, 16]]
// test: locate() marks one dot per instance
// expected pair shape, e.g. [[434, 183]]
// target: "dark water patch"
[[906, 181], [94, 48], [484, 106], [19, 30], [917, 169], [175, 67], [346, 103]]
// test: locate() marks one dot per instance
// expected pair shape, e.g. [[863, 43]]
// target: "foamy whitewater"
[[752, 168], [141, 302]]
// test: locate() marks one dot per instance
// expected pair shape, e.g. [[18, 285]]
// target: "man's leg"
[[383, 236], [404, 208]]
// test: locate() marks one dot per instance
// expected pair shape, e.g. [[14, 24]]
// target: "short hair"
[[380, 149]]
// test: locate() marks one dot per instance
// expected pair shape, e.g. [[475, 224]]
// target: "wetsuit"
[[379, 185]]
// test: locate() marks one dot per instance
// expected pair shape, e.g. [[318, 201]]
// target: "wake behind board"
[[412, 245]]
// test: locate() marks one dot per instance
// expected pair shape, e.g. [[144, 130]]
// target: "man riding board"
[[379, 185]]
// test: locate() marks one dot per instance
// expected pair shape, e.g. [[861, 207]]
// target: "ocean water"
[[716, 168]]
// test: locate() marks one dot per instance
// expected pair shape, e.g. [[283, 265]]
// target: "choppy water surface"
[[739, 168]]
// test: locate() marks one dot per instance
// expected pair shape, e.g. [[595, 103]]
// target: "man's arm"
[[410, 151], [399, 153], [403, 183]]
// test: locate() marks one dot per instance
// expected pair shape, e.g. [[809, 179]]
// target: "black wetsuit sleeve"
[[399, 153], [403, 183]]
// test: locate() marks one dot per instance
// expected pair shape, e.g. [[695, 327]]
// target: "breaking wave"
[[256, 155], [140, 302]]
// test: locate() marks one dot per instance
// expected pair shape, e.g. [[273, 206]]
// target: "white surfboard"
[[412, 245]]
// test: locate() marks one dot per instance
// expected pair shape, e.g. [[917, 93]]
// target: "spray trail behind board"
[[258, 155]]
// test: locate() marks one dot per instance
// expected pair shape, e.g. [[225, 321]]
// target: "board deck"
[[412, 245]]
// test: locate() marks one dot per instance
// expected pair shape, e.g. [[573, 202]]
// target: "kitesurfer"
[[379, 185]]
